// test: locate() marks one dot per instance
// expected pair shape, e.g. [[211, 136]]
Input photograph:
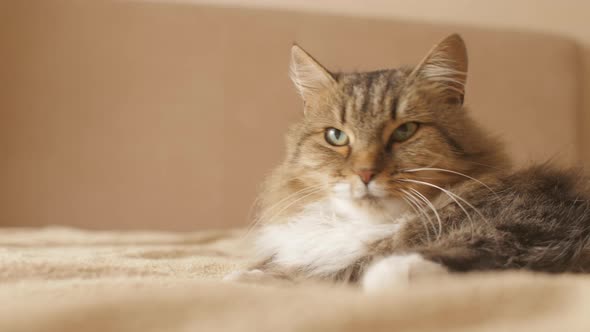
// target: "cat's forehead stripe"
[[379, 91], [358, 95], [394, 107], [370, 95], [343, 113], [370, 84]]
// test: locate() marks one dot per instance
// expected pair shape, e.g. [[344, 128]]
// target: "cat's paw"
[[398, 270]]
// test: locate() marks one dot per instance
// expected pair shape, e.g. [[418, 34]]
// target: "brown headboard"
[[139, 115]]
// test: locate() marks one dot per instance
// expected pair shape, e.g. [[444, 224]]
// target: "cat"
[[387, 179]]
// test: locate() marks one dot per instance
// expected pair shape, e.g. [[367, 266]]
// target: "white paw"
[[244, 275], [398, 270]]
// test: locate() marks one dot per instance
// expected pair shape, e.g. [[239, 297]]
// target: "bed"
[[63, 279]]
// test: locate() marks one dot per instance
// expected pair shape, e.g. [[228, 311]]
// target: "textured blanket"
[[58, 279]]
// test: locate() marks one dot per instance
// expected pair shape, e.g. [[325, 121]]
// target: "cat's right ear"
[[308, 75], [446, 67]]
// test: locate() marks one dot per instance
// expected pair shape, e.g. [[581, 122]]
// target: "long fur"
[[444, 199], [321, 242]]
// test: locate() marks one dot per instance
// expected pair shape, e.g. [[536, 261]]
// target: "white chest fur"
[[326, 237]]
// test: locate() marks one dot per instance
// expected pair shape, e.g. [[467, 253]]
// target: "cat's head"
[[364, 135]]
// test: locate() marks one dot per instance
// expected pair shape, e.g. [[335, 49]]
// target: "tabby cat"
[[387, 179]]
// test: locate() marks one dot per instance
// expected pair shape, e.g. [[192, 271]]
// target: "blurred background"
[[168, 114]]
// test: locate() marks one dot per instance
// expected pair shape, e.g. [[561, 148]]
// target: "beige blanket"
[[59, 279]]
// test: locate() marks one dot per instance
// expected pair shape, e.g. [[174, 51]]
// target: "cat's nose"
[[366, 175]]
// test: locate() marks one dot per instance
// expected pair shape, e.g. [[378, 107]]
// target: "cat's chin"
[[378, 203], [370, 208], [370, 200]]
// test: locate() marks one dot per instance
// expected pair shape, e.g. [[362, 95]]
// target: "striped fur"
[[444, 196]]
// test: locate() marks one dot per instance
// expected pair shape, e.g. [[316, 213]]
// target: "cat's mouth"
[[374, 190], [374, 202]]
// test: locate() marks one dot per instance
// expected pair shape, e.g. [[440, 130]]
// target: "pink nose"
[[366, 175]]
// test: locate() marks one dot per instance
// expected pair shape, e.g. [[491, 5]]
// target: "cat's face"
[[366, 136]]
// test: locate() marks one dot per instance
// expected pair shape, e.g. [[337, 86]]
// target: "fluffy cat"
[[387, 179]]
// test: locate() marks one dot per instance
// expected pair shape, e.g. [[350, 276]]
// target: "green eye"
[[336, 137], [404, 131]]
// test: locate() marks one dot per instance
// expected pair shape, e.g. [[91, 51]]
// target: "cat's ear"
[[309, 76], [446, 67]]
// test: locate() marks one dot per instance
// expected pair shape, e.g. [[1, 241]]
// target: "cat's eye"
[[336, 137], [404, 132]]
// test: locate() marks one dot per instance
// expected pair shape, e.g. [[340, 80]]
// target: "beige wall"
[[567, 17], [137, 115]]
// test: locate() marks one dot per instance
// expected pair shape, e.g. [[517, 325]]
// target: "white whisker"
[[317, 190], [413, 203], [417, 201], [267, 211], [429, 203], [288, 197], [464, 211], [450, 194], [449, 171]]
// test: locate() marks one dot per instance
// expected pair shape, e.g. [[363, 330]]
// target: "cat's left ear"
[[308, 75], [446, 67]]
